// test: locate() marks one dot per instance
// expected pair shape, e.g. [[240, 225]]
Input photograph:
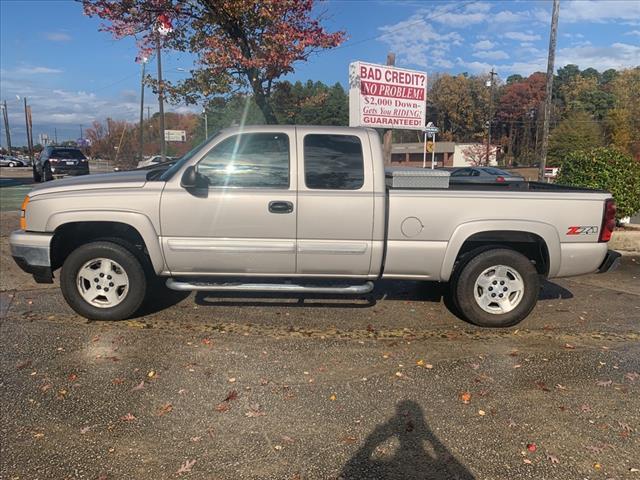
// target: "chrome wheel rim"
[[498, 289], [102, 282]]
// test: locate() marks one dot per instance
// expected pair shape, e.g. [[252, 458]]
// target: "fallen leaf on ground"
[[164, 409], [527, 461], [117, 381], [129, 417], [86, 429], [420, 363], [140, 386], [232, 395], [560, 387], [594, 449], [585, 408], [333, 397], [195, 439], [287, 439], [23, 364], [186, 467], [206, 341], [568, 346], [482, 413], [46, 387], [604, 383], [232, 380], [349, 439], [625, 426], [151, 374], [475, 366], [38, 435], [254, 411], [632, 376], [221, 407], [531, 447], [73, 377], [542, 386], [465, 397], [552, 458]]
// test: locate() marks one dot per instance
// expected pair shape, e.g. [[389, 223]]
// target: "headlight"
[[23, 213]]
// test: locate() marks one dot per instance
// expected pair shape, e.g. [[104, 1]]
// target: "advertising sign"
[[175, 136], [386, 97]]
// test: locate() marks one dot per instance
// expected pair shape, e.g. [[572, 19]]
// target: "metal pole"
[[142, 112], [424, 153], [492, 73], [163, 151], [433, 153], [206, 123], [387, 138], [26, 121], [547, 101], [5, 114]]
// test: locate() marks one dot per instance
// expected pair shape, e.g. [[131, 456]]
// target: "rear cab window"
[[64, 153], [333, 162]]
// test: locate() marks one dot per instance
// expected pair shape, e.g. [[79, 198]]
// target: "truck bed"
[[508, 186]]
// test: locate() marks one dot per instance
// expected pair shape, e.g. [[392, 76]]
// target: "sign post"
[[430, 130]]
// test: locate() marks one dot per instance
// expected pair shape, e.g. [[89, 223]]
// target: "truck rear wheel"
[[103, 281], [496, 288]]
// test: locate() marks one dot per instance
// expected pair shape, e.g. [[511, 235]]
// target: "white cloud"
[[26, 70], [491, 54], [633, 32], [413, 39], [618, 55], [57, 36], [507, 16], [453, 18], [484, 45], [524, 37], [478, 7], [572, 11]]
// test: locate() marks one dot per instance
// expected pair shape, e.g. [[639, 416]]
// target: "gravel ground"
[[392, 386]]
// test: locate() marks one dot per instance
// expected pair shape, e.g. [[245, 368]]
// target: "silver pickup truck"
[[307, 209]]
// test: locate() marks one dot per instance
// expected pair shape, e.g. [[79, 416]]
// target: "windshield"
[[495, 171], [185, 158]]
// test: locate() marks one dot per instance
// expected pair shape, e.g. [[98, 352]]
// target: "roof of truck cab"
[[291, 128]]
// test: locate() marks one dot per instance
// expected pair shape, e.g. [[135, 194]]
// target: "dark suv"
[[59, 161]]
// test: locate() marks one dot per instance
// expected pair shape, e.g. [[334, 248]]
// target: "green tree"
[[606, 169], [576, 132], [623, 121]]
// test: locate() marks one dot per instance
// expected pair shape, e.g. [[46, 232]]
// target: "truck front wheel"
[[497, 288], [103, 281]]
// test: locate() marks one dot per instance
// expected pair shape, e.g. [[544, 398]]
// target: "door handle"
[[280, 207]]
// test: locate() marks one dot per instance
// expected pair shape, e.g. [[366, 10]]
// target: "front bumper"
[[31, 251], [610, 262]]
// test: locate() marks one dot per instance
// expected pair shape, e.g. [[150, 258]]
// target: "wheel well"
[[529, 244], [70, 236]]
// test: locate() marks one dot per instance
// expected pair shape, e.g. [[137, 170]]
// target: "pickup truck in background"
[[307, 209]]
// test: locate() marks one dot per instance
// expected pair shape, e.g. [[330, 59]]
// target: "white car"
[[7, 161], [155, 160]]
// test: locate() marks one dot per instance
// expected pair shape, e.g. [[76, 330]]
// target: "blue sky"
[[73, 74]]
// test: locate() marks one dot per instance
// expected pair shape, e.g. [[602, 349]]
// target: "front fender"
[[464, 231], [139, 221]]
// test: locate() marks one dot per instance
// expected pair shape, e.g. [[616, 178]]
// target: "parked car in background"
[[7, 161], [155, 160], [483, 175], [59, 161]]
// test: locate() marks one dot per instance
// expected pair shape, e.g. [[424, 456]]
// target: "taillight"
[[608, 220], [500, 179]]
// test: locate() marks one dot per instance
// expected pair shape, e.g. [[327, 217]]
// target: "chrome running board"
[[268, 287]]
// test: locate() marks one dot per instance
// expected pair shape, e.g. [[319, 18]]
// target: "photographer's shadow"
[[420, 455]]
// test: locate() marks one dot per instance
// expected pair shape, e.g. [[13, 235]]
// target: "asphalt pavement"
[[389, 386]]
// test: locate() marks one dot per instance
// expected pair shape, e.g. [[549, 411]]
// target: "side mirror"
[[192, 179]]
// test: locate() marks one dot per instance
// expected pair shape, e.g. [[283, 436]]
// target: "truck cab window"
[[249, 160], [333, 162]]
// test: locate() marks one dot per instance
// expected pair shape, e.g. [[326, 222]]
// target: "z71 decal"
[[582, 230]]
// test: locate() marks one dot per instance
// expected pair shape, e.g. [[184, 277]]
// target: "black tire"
[[119, 254], [463, 288], [36, 175], [47, 175]]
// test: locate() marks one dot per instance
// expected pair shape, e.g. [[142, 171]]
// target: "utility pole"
[[144, 62], [387, 138], [27, 121], [163, 151], [5, 114], [206, 123], [492, 73], [547, 101]]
